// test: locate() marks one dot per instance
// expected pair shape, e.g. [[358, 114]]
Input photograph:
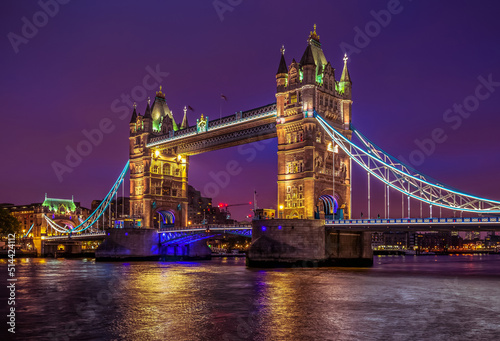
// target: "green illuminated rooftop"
[[59, 205]]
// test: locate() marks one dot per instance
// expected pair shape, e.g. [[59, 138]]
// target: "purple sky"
[[65, 77]]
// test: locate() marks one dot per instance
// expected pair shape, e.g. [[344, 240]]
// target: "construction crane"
[[226, 206]]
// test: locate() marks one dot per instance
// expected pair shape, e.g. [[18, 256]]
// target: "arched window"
[[166, 169]]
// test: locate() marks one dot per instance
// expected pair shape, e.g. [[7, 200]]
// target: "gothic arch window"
[[166, 169]]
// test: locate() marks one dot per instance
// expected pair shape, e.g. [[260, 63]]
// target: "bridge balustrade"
[[415, 221]]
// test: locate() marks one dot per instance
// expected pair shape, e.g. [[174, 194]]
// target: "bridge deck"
[[418, 224]]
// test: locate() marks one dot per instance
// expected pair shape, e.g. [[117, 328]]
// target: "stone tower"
[[305, 155], [158, 177]]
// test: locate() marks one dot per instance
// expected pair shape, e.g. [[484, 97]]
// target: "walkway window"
[[166, 169]]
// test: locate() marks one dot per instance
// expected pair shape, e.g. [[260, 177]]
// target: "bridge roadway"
[[375, 225], [240, 128], [81, 236], [417, 224]]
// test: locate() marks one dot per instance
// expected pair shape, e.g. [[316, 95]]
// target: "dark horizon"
[[407, 79]]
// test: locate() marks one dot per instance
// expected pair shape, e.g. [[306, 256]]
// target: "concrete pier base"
[[62, 248], [144, 244], [129, 244], [306, 243]]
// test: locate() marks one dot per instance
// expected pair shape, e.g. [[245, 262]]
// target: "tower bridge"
[[308, 161], [312, 121]]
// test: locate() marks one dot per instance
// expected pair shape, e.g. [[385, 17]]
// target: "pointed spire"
[[134, 114], [307, 57], [345, 73], [185, 123], [147, 113], [282, 67]]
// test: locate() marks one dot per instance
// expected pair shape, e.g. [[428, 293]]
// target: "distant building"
[[201, 210], [442, 241], [393, 240], [265, 213], [64, 212]]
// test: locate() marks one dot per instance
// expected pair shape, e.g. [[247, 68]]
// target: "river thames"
[[399, 298]]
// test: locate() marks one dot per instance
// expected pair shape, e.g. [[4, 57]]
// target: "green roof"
[[59, 204]]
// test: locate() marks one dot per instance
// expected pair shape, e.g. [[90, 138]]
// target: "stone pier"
[[144, 244], [129, 244], [306, 242]]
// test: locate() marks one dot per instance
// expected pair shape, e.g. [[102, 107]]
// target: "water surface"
[[400, 298]]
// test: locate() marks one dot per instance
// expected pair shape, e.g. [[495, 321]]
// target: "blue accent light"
[[29, 230], [168, 217], [109, 233], [330, 204], [325, 124], [263, 228], [126, 233], [114, 188], [279, 227]]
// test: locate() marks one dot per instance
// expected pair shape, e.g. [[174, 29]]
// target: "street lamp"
[[281, 211]]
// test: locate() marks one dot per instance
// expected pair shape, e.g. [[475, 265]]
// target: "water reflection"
[[400, 298]]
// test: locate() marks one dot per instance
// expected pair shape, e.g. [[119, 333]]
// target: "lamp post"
[[281, 211]]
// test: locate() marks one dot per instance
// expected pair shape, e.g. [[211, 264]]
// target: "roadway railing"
[[76, 236], [207, 227], [415, 221], [237, 118]]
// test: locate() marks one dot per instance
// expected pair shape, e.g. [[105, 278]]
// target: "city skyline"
[[66, 80]]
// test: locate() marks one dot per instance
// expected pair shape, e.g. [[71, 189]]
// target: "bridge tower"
[[158, 178], [305, 155]]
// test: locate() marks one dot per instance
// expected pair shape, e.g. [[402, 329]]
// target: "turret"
[[159, 112], [147, 119], [308, 65], [134, 115], [185, 123], [345, 84], [282, 73], [133, 120]]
